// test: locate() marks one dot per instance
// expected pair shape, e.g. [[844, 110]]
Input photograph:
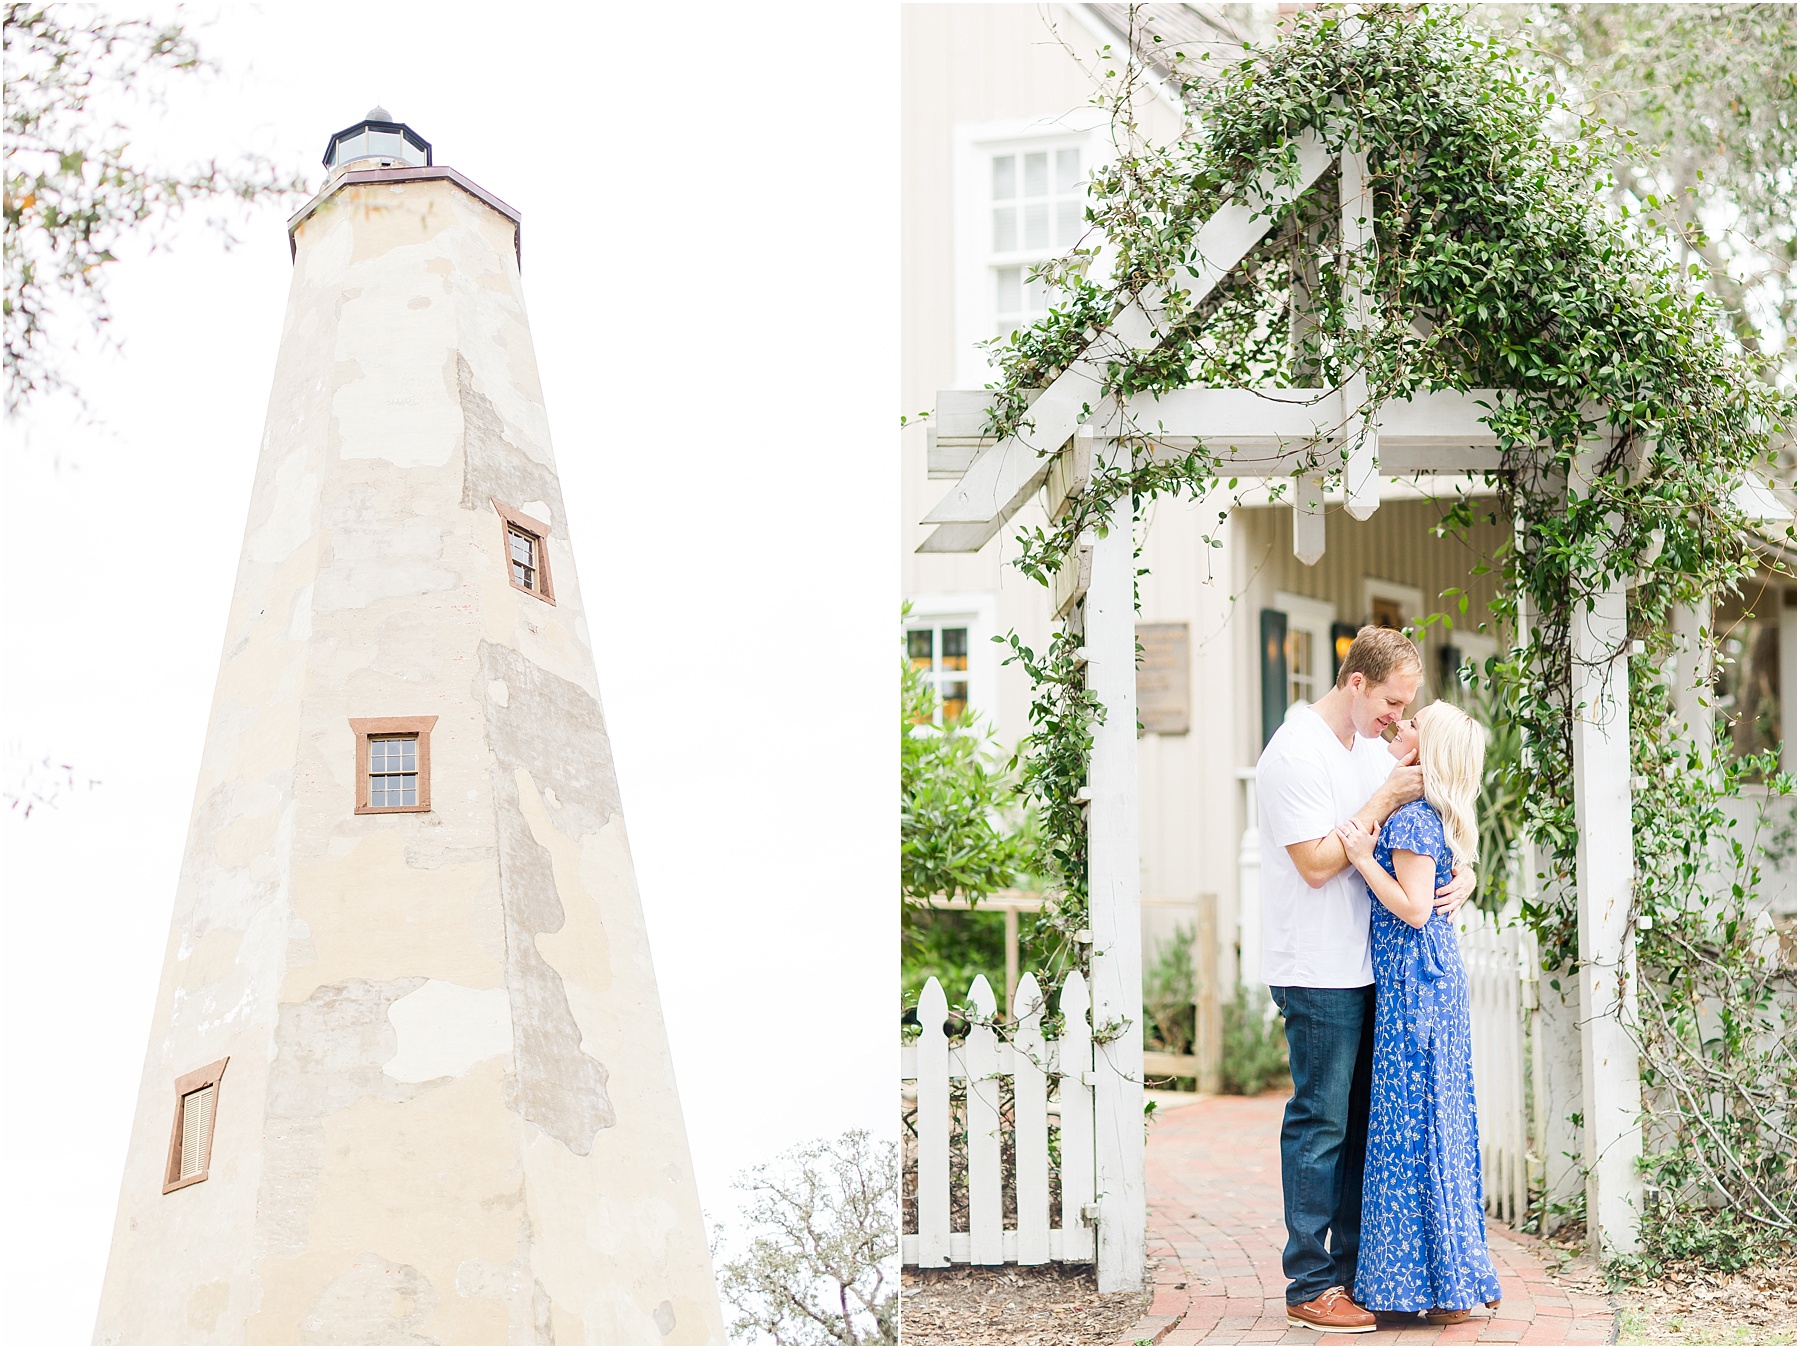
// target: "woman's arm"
[[1408, 894]]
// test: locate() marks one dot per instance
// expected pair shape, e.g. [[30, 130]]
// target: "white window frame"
[[978, 611], [972, 146], [1411, 598], [1476, 647], [1314, 617]]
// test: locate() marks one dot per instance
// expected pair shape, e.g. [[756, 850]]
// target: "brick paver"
[[1213, 1176]]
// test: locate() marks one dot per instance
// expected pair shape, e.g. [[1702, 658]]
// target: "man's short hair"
[[1378, 653]]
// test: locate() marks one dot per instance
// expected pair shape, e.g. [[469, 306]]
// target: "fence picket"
[[981, 1055], [1491, 955], [934, 1128], [981, 1060], [1031, 1125], [1075, 1062]]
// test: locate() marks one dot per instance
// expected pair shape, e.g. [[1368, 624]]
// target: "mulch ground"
[[1698, 1306], [1044, 1304]]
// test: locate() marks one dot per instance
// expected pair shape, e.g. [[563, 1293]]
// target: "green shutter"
[[1274, 671]]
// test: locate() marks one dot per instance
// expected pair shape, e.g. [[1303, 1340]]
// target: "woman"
[[1424, 1242]]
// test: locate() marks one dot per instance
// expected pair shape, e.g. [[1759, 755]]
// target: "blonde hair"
[[1452, 751]]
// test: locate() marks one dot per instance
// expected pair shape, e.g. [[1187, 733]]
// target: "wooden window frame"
[[184, 1087], [540, 534], [365, 727]]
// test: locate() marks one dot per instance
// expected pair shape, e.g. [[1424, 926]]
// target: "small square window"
[[393, 763], [191, 1139], [527, 560]]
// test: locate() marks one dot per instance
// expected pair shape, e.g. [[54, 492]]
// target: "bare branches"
[[75, 186], [822, 1266]]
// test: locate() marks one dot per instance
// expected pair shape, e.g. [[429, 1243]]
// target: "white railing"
[[1499, 959], [981, 1061]]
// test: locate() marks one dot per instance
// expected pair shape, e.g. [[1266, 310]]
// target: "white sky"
[[710, 202]]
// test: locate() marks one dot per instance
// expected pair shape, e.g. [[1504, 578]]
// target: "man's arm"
[[1405, 783], [1319, 859]]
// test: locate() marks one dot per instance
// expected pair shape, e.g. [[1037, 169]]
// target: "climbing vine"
[[1629, 418]]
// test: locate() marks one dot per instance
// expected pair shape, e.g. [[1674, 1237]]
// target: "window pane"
[[1006, 229], [1747, 685], [1300, 665], [409, 794], [522, 576], [1068, 223], [1068, 172], [1037, 174], [1034, 296], [1005, 184], [918, 647], [956, 649], [956, 699], [1006, 292], [521, 547], [1037, 225]]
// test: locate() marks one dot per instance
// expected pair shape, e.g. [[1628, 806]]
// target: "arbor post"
[[1607, 937], [1110, 635]]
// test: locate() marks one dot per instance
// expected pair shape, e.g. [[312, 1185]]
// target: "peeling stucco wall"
[[449, 1114]]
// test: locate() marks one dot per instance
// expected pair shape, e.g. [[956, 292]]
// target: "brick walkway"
[[1213, 1172]]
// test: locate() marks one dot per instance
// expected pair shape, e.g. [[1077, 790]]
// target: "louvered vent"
[[196, 1128]]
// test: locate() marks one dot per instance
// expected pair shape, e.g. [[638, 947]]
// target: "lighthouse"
[[408, 1080]]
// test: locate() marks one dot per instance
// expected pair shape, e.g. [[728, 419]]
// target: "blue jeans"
[[1324, 1134]]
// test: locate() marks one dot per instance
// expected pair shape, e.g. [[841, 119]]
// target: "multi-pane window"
[[393, 763], [941, 654], [191, 1139], [523, 549], [1301, 682], [1747, 683], [527, 566], [393, 770], [1036, 202]]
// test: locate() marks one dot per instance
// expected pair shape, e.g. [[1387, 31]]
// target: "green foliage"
[[1498, 263], [954, 840], [823, 1262], [1252, 1046], [75, 189], [1500, 808], [1709, 90], [1169, 995], [1052, 766]]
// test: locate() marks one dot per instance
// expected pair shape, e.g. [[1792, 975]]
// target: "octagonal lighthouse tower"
[[408, 1081]]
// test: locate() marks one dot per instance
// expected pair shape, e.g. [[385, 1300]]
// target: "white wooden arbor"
[[1072, 426]]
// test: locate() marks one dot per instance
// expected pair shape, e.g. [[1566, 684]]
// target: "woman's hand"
[[1359, 843]]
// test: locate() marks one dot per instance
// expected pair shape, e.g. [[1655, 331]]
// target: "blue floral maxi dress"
[[1424, 1240]]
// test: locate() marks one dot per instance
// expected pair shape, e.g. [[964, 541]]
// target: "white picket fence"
[[1502, 966], [981, 1061], [1500, 962]]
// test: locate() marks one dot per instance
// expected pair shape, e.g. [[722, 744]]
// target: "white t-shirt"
[[1307, 784]]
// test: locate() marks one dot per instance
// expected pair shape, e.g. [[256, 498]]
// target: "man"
[[1329, 763]]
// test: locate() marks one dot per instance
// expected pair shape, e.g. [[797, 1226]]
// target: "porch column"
[[1110, 635], [1611, 1098]]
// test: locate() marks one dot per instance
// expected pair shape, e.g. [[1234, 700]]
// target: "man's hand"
[[1462, 884], [1405, 783]]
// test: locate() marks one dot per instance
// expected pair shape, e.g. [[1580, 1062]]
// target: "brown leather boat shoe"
[[1332, 1312]]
